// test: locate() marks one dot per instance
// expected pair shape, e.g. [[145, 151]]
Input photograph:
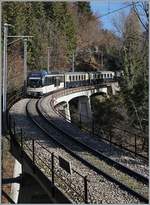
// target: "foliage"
[[107, 112], [71, 27], [84, 8], [135, 64]]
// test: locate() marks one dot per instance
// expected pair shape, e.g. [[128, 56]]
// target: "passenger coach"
[[40, 82]]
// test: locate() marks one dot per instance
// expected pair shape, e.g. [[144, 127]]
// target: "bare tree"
[[118, 22], [142, 11]]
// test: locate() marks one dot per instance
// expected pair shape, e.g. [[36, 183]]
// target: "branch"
[[136, 12]]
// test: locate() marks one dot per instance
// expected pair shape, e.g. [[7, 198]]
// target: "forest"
[[71, 30]]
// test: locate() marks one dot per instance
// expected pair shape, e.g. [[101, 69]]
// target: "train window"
[[104, 75], [101, 75], [46, 81], [35, 83], [108, 75], [111, 75], [52, 80], [76, 77], [79, 77], [62, 78], [73, 77], [70, 78]]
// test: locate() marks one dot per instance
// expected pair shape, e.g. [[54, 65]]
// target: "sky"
[[101, 7]]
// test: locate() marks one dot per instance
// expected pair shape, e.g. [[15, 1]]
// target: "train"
[[40, 83]]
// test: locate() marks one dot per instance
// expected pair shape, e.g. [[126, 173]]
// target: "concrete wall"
[[84, 109]]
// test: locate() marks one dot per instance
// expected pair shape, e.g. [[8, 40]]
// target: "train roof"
[[45, 73], [37, 73], [75, 73]]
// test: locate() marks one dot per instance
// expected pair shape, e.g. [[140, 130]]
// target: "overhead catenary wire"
[[116, 10]]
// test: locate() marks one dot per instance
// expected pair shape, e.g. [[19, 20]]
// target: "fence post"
[[85, 190], [135, 145], [21, 133], [53, 182], [10, 120], [33, 154], [110, 135], [93, 126], [21, 140], [14, 128], [9, 123], [80, 121], [110, 139]]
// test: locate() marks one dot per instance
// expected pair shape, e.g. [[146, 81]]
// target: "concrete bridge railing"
[[83, 94]]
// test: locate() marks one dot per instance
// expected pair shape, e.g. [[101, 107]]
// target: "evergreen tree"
[[131, 49], [135, 86], [84, 8]]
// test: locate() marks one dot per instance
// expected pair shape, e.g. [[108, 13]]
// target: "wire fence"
[[135, 142], [68, 179]]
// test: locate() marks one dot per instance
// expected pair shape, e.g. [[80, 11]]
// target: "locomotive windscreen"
[[34, 82]]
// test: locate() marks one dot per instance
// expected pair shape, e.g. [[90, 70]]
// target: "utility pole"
[[48, 56], [5, 71], [25, 62], [5, 68], [5, 79], [25, 40]]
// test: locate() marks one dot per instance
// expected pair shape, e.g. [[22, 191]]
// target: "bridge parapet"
[[83, 94], [68, 94]]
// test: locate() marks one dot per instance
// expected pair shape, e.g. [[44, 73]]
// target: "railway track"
[[132, 182]]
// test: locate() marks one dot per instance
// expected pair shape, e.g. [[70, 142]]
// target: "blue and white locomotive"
[[41, 82]]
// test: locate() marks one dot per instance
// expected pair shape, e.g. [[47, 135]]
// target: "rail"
[[105, 134], [99, 171], [52, 169]]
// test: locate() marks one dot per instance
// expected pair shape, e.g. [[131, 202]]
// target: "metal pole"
[[5, 77], [48, 55], [21, 140], [53, 182], [9, 121], [93, 126], [14, 129], [33, 156], [22, 157], [25, 63], [85, 190], [80, 121], [135, 145]]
